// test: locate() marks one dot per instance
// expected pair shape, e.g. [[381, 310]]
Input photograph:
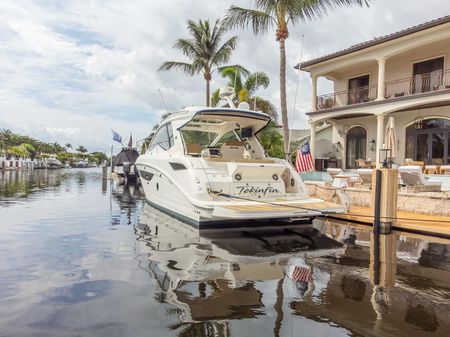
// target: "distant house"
[[404, 75]]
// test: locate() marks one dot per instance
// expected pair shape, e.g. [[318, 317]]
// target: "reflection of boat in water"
[[207, 167], [52, 162], [213, 276]]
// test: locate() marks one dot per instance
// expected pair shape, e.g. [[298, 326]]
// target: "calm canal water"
[[78, 258]]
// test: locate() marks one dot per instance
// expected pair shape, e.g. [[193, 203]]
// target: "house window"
[[427, 75], [358, 89], [430, 143]]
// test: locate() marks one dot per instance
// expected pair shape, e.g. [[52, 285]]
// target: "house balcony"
[[411, 86]]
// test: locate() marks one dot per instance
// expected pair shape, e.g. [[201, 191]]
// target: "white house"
[[404, 75]]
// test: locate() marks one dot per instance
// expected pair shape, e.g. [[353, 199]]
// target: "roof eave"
[[305, 66]]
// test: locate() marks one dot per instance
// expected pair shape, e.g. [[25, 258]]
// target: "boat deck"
[[407, 221]]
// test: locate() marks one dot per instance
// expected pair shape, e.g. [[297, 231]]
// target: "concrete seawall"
[[421, 203]]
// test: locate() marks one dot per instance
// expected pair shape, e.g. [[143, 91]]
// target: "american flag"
[[304, 160], [301, 274]]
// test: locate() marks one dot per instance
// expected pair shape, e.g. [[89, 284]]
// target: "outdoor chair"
[[365, 175], [361, 163], [414, 163], [414, 180], [444, 169], [333, 172], [431, 169]]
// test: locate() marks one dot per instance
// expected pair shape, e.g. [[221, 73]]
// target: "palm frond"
[[187, 68], [242, 71], [259, 20], [223, 54], [256, 81], [187, 47], [215, 98], [313, 9]]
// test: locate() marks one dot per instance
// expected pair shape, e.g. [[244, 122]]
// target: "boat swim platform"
[[319, 206], [430, 225]]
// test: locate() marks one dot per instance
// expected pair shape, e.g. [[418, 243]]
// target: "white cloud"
[[91, 66]]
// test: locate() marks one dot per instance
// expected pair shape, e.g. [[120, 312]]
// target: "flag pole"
[[112, 158]]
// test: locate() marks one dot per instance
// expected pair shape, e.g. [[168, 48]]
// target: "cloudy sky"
[[72, 70]]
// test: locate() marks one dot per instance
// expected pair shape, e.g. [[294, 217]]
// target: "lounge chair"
[[414, 163], [444, 169], [365, 176], [431, 169], [415, 181], [333, 172]]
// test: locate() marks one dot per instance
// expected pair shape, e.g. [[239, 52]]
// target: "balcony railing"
[[435, 81], [347, 97]]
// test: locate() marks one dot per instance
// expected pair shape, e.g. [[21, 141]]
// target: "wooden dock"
[[406, 221]]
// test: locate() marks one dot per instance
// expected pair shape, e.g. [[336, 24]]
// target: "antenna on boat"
[[296, 90], [162, 99], [227, 93]]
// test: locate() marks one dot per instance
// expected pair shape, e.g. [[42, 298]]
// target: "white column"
[[314, 93], [312, 139], [380, 136], [381, 78]]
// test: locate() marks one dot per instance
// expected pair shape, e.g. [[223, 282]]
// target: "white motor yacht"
[[206, 167]]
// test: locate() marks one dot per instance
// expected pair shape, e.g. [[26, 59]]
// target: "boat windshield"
[[199, 137]]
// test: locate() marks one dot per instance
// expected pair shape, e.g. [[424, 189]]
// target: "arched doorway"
[[428, 141], [356, 146]]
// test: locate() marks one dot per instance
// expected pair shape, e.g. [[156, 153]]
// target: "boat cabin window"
[[197, 140], [163, 138]]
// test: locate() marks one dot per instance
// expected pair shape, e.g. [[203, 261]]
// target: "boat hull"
[[163, 194]]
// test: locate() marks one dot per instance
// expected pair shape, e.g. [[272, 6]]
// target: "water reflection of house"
[[413, 307], [404, 75]]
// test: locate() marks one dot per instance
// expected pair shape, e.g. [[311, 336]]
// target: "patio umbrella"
[[390, 137]]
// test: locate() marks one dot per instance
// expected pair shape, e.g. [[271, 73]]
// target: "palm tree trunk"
[[284, 113], [208, 95], [279, 308]]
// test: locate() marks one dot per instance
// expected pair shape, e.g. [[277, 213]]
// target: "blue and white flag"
[[116, 136]]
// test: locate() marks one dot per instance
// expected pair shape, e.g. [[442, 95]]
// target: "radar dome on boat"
[[244, 106]]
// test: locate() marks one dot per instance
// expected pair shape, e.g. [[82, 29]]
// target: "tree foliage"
[[245, 85], [17, 145], [204, 50], [272, 141], [278, 14]]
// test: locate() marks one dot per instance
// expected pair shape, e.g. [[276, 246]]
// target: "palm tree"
[[81, 149], [204, 50], [245, 87], [279, 14]]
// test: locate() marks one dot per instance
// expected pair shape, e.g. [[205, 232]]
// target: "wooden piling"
[[386, 198], [104, 172]]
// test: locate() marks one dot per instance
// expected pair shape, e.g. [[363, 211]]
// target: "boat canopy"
[[126, 155], [223, 120]]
